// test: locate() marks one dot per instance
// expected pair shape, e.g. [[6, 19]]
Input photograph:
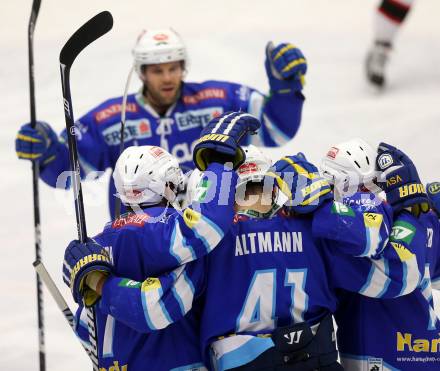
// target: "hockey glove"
[[285, 68], [39, 143], [400, 180], [219, 139], [308, 190], [433, 191], [81, 259]]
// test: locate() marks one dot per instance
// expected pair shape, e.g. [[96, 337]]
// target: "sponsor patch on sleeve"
[[341, 209], [136, 220], [403, 231], [129, 284]]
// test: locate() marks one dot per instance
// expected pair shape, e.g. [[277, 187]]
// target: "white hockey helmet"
[[158, 46], [255, 166], [351, 164], [145, 175]]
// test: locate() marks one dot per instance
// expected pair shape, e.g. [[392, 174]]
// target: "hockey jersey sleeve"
[[93, 152], [183, 236], [279, 114], [154, 303], [396, 271], [357, 233]]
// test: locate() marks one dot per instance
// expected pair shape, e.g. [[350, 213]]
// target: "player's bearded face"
[[163, 82]]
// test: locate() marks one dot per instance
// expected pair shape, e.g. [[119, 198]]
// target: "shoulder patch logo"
[[129, 283], [402, 231], [373, 220], [151, 283]]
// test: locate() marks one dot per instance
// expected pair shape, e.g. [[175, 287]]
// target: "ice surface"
[[226, 41]]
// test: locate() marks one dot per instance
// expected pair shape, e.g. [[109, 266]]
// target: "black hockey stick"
[[35, 176], [57, 296], [93, 29]]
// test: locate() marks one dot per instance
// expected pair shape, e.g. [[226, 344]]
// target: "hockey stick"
[[85, 35], [35, 176], [121, 145], [57, 296]]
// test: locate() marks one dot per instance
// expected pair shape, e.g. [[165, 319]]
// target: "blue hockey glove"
[[433, 191], [219, 139], [285, 68], [81, 259], [308, 190], [39, 143], [400, 180]]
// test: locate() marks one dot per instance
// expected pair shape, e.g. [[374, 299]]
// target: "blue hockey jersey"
[[150, 244], [273, 272], [98, 132], [395, 334]]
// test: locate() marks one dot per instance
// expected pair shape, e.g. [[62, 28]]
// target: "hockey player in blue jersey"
[[270, 272], [387, 334], [169, 112], [152, 241]]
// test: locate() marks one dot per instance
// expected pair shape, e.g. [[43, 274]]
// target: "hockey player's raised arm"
[[279, 112]]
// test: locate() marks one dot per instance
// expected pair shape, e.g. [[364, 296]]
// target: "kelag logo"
[[134, 129]]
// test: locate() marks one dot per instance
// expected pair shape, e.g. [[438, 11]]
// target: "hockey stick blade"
[[90, 31]]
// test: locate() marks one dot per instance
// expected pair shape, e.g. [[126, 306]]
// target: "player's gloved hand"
[[433, 191], [81, 259], [399, 179], [219, 139], [39, 143], [308, 190], [285, 68]]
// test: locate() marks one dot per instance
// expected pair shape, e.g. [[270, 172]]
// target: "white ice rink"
[[226, 40]]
